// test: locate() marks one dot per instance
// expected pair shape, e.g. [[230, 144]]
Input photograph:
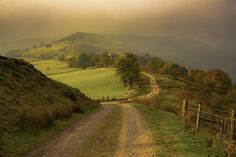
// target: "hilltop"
[[30, 101]]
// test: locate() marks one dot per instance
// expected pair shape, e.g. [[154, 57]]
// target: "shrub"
[[155, 64], [69, 95], [36, 119], [195, 75], [79, 108], [62, 111], [174, 70], [218, 81]]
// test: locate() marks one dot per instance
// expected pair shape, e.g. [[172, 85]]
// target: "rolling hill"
[[186, 51]]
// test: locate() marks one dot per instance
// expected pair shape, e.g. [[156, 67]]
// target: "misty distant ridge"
[[186, 51], [23, 43]]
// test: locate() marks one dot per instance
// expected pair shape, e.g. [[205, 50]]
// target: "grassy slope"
[[173, 92], [31, 102], [50, 67], [172, 139], [94, 82]]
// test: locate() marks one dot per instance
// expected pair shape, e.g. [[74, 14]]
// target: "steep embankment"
[[29, 101]]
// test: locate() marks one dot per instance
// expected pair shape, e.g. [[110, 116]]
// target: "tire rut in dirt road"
[[68, 142], [135, 139]]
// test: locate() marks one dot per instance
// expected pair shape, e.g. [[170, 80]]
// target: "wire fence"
[[108, 98], [215, 121]]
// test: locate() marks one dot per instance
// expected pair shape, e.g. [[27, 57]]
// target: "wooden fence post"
[[232, 125], [198, 117], [184, 110], [225, 127], [221, 129]]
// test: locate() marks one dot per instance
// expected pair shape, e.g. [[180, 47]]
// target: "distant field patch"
[[94, 82], [50, 67]]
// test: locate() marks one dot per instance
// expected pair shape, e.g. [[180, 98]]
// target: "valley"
[[102, 78]]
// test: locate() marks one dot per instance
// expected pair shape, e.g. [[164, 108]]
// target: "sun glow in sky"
[[200, 18]]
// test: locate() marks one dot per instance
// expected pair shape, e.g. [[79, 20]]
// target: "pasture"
[[95, 83], [50, 67]]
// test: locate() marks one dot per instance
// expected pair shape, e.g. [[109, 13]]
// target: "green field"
[[94, 82], [50, 67]]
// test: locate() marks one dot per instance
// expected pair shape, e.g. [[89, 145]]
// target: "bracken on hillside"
[[29, 101]]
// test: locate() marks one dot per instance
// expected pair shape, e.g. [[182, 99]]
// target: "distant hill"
[[22, 43], [29, 100], [186, 51]]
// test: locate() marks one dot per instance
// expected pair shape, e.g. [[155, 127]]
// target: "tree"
[[72, 61], [218, 81], [96, 59], [103, 60], [106, 60], [41, 44], [34, 46], [84, 61], [61, 57], [195, 75], [174, 70], [155, 64], [128, 68], [48, 45]]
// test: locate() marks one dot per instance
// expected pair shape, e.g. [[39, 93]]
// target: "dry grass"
[[29, 101]]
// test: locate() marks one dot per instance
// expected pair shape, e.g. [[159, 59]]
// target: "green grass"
[[103, 141], [50, 67], [170, 137], [17, 144], [173, 92], [94, 82]]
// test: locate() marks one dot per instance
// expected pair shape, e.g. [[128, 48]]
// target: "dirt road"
[[68, 142], [133, 137]]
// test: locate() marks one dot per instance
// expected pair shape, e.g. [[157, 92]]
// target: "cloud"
[[205, 19]]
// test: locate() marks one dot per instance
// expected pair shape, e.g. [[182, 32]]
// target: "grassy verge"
[[17, 144], [173, 92], [103, 141], [171, 139]]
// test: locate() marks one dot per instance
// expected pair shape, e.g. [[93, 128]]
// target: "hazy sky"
[[213, 20]]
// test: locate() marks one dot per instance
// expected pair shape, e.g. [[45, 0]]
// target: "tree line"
[[129, 67], [213, 80], [84, 60]]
